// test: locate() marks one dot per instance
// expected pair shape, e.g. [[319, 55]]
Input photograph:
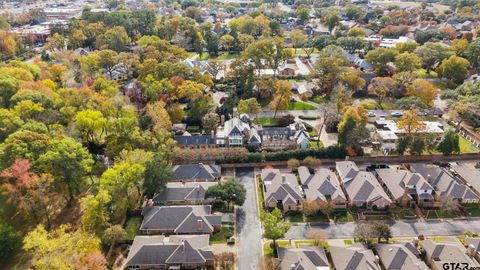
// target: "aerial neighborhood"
[[240, 134]]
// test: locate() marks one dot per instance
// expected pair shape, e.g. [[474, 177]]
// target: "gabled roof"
[[450, 250], [160, 250], [180, 219], [176, 191], [469, 174], [443, 182], [195, 140], [303, 257], [397, 181], [321, 184], [399, 256], [353, 257], [280, 187], [364, 188], [195, 172], [347, 170]]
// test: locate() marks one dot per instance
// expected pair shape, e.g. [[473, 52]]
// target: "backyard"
[[299, 105]]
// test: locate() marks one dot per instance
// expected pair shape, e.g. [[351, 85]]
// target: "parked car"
[[371, 114], [396, 114], [424, 113]]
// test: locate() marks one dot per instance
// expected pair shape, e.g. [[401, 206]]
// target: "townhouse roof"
[[304, 257], [397, 181], [400, 256], [353, 257], [195, 140], [450, 250], [280, 187], [177, 192], [161, 250], [444, 182], [320, 185], [180, 219], [195, 172]]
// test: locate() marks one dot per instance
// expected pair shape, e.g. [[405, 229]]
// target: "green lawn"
[[299, 105], [133, 224], [440, 214], [344, 216], [348, 242], [221, 56], [294, 216], [466, 146], [319, 100], [222, 236], [268, 121]]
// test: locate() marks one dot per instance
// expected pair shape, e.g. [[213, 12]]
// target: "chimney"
[[235, 112], [213, 133], [197, 188], [183, 246], [429, 178], [292, 266], [222, 120], [199, 224]]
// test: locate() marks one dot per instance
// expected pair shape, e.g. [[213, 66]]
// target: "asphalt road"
[[399, 228], [249, 232]]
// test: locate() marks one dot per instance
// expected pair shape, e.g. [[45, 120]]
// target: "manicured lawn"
[[440, 214], [221, 56], [133, 224], [344, 216], [348, 242], [473, 209], [222, 236], [319, 100], [268, 121], [294, 216], [466, 146], [317, 218], [402, 212], [299, 105], [268, 251]]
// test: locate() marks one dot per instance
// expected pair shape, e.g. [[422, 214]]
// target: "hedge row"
[[328, 152]]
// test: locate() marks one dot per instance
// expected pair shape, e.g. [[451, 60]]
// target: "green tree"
[[274, 226], [10, 241], [332, 20], [90, 123], [417, 146], [473, 53], [381, 231], [115, 39], [95, 217], [269, 50], [432, 53], [227, 42], [303, 12], [450, 143], [68, 162], [407, 62], [299, 38], [157, 173], [380, 57], [454, 68], [249, 106], [229, 192]]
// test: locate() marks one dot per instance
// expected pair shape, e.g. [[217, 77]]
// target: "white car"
[[371, 114], [396, 114]]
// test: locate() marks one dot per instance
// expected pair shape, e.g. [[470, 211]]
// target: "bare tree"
[[214, 67], [450, 204], [224, 260], [310, 208], [364, 233], [269, 263], [328, 114], [317, 235]]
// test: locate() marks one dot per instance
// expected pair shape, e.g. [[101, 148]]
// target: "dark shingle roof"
[[195, 140], [195, 172]]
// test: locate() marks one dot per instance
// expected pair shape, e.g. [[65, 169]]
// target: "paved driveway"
[[399, 228], [249, 232]]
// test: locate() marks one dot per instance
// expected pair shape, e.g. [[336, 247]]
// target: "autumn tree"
[[60, 248], [332, 20], [381, 87], [210, 122], [364, 233], [227, 42], [411, 121], [423, 90], [224, 260], [115, 39], [473, 53], [249, 106], [95, 213], [432, 53], [272, 51], [282, 96], [310, 208], [381, 231]]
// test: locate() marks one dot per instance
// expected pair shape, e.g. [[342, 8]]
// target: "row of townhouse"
[[178, 222], [242, 132], [400, 255], [347, 185]]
